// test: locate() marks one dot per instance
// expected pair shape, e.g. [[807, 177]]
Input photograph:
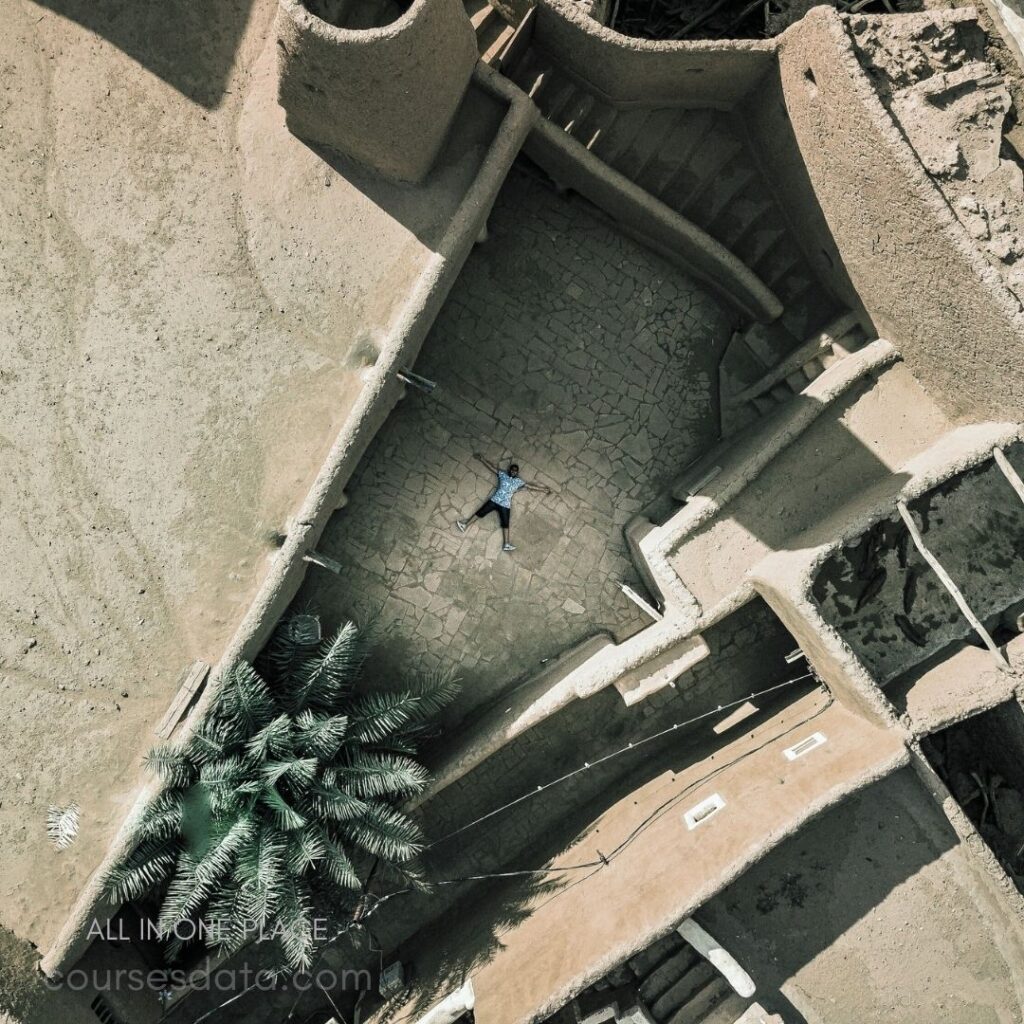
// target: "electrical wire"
[[587, 765], [381, 900], [604, 860]]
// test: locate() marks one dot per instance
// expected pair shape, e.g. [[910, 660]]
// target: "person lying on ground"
[[501, 500]]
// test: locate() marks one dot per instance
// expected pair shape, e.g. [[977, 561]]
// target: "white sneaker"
[[461, 524], [508, 547]]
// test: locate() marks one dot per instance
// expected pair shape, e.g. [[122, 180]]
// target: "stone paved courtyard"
[[590, 361]]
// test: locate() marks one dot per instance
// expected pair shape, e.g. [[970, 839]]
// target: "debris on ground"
[[956, 111], [993, 803], [722, 19]]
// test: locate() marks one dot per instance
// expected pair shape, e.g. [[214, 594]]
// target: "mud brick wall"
[[923, 281], [385, 96], [632, 71]]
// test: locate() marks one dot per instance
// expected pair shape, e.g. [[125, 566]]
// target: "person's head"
[[513, 469]]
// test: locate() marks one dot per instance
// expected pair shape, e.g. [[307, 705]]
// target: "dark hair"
[[513, 466]]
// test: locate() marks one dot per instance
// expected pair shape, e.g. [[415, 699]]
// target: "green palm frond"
[[385, 832], [338, 866], [246, 700], [259, 874], [332, 805], [375, 717], [162, 818], [305, 848], [436, 692], [321, 680], [318, 735], [372, 774], [196, 880], [298, 771], [171, 765], [288, 789], [209, 742], [273, 740], [228, 771], [226, 920], [284, 815], [295, 915], [150, 865], [295, 639]]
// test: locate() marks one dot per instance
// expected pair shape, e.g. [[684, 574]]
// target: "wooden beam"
[[188, 686], [1009, 472], [947, 582]]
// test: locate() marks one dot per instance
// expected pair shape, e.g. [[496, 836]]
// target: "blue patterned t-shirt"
[[507, 486]]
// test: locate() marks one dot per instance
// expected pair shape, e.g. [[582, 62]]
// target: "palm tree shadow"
[[467, 937]]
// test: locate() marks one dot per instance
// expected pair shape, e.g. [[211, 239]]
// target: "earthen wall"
[[384, 96], [921, 280], [639, 71]]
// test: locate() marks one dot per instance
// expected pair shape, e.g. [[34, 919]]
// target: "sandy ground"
[[880, 881], [167, 397]]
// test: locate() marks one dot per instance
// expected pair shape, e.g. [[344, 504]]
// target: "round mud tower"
[[372, 82]]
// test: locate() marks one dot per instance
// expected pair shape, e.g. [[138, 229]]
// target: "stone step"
[[727, 1011], [576, 117], [644, 148], [597, 122], [764, 404], [695, 161], [700, 1004], [627, 127], [665, 975], [677, 149], [480, 14], [743, 214], [706, 168], [769, 343], [684, 990], [558, 99], [528, 69], [796, 381], [757, 246], [655, 954], [814, 368]]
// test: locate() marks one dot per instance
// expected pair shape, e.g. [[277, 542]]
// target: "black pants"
[[504, 514]]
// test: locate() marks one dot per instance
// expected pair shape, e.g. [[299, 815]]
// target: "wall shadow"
[[427, 209], [548, 825], [802, 898], [190, 45]]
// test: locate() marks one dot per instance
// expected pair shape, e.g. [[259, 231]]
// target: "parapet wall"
[[385, 96], [918, 273], [639, 71]]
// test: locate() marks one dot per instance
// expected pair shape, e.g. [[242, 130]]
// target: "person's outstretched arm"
[[487, 462], [543, 488]]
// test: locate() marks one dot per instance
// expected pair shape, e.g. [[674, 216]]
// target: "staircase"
[[493, 33], [675, 984], [695, 161], [760, 370]]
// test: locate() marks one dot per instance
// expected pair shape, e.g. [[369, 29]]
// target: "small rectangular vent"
[[812, 742], [705, 809], [104, 1014]]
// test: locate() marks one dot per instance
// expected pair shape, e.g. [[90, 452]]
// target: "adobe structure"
[[740, 736]]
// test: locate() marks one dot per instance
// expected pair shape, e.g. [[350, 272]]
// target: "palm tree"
[[285, 800]]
